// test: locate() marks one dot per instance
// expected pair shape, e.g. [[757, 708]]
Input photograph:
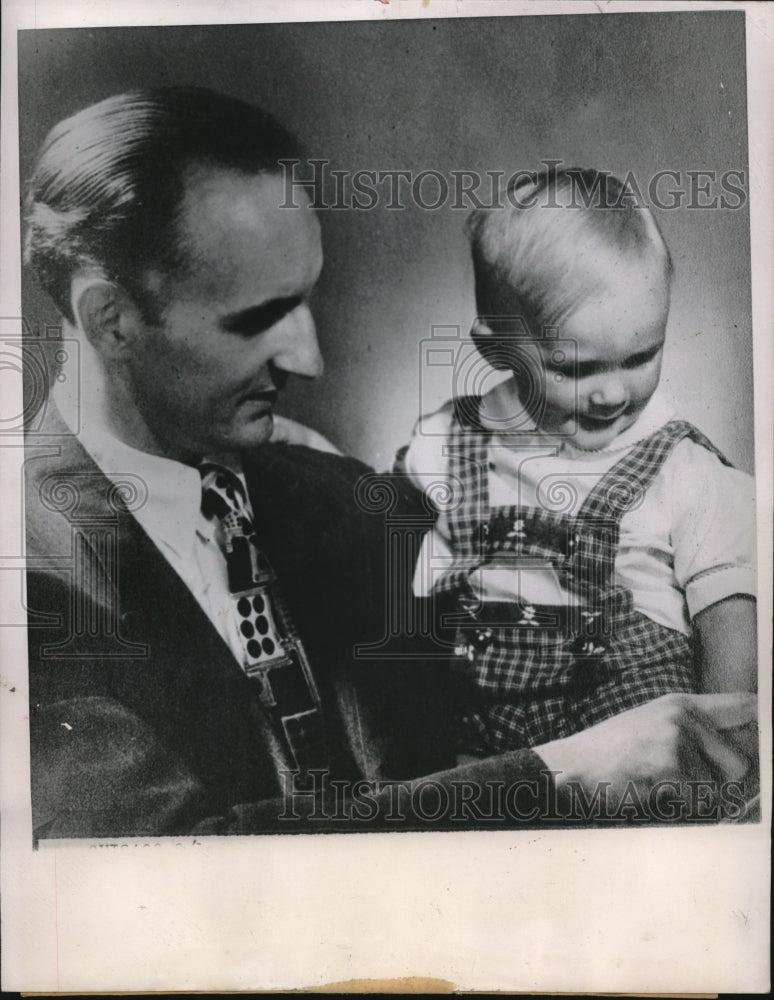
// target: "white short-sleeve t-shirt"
[[689, 544]]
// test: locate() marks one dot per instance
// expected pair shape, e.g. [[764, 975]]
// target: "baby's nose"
[[610, 393]]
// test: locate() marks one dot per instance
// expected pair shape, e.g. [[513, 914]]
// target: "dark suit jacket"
[[141, 720]]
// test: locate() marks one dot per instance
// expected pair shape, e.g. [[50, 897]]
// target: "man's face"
[[618, 337], [235, 321]]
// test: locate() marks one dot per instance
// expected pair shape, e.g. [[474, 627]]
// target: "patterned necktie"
[[273, 655]]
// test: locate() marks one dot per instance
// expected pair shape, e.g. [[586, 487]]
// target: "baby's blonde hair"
[[534, 256]]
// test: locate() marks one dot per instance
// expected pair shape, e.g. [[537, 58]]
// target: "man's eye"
[[256, 320], [249, 331]]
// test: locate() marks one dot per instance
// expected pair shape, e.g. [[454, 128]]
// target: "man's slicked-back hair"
[[109, 181]]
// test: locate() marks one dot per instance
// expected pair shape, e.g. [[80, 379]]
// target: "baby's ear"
[[493, 348], [481, 330]]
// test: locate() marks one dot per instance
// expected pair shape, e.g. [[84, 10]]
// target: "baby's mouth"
[[598, 421]]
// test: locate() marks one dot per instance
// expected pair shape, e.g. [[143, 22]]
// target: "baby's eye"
[[566, 367], [574, 371], [639, 360], [560, 369]]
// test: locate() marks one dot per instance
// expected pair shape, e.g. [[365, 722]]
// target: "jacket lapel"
[[80, 528], [133, 631]]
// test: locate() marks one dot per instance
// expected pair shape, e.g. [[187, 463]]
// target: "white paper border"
[[683, 910]]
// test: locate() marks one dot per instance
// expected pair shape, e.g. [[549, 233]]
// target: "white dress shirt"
[[172, 518]]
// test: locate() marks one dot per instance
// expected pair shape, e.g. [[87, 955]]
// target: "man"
[[195, 592]]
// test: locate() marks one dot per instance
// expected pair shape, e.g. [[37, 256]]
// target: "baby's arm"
[[424, 458], [714, 537], [726, 647]]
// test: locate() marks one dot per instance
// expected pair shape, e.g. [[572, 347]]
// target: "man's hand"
[[677, 739]]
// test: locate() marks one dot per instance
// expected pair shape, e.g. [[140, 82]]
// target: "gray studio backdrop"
[[627, 93]]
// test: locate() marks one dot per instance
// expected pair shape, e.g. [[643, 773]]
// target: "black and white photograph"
[[389, 436]]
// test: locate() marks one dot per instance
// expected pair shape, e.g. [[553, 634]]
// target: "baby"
[[595, 551]]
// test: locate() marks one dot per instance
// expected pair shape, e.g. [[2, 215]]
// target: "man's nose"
[[610, 392], [298, 352]]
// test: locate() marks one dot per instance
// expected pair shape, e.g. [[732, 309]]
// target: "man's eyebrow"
[[261, 317]]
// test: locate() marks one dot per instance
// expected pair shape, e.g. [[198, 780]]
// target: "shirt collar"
[[497, 407], [172, 510]]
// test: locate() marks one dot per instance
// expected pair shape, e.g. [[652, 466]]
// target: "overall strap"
[[468, 455], [623, 487]]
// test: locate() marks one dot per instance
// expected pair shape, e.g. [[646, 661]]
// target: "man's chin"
[[247, 434], [255, 431]]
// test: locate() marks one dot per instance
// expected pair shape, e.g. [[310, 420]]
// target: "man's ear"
[[106, 315]]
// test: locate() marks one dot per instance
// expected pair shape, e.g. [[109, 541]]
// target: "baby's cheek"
[[562, 394], [645, 385]]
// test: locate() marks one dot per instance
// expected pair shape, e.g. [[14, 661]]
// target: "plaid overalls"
[[529, 674]]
